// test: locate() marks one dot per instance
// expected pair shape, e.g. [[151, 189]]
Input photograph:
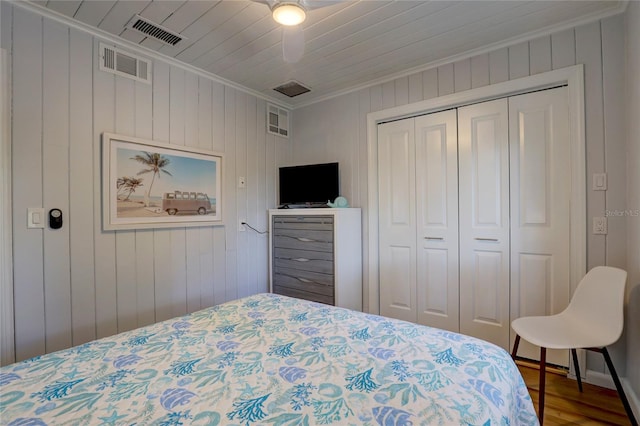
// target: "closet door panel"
[[437, 219], [540, 208], [484, 221], [397, 219]]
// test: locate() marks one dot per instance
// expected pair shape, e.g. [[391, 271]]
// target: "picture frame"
[[146, 184]]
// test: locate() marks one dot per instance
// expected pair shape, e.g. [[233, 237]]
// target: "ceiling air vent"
[[125, 64], [292, 88], [155, 31]]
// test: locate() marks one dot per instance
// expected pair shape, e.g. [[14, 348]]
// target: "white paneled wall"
[[633, 191], [80, 283], [599, 46]]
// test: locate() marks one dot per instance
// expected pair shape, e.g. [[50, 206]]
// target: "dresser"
[[316, 254]]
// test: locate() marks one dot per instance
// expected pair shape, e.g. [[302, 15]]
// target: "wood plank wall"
[[80, 283], [598, 45], [633, 192]]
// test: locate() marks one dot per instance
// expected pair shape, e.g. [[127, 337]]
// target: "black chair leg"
[[543, 367], [515, 347], [576, 366], [616, 380]]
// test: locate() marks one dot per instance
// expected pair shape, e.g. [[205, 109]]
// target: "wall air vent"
[[125, 64], [277, 121], [155, 31], [292, 89]]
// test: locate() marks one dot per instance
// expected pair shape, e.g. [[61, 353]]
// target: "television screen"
[[309, 184]]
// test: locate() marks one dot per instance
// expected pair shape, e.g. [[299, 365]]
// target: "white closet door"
[[397, 221], [540, 209], [484, 221], [437, 220]]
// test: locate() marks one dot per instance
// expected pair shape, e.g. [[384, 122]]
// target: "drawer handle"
[[487, 239], [304, 280], [304, 240], [434, 238], [301, 259]]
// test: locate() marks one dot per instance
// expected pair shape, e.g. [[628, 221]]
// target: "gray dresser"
[[315, 254]]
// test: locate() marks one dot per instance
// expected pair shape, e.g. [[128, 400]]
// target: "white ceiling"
[[348, 44]]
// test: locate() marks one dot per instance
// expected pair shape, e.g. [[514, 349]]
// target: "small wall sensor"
[[55, 218]]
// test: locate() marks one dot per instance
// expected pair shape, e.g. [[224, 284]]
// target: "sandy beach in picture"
[[130, 208]]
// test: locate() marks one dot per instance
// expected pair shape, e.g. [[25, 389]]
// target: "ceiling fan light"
[[289, 14]]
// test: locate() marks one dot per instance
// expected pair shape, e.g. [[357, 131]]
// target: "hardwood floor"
[[565, 405]]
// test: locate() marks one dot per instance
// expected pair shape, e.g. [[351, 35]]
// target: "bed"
[[270, 360]]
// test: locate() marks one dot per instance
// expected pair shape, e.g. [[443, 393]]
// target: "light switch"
[[599, 181], [35, 217]]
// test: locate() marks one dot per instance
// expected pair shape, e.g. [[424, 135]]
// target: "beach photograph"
[[151, 184]]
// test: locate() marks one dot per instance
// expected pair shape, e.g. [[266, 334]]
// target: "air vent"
[[155, 31], [125, 64], [277, 121], [292, 89]]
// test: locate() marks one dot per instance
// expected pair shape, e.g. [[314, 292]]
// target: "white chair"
[[592, 321]]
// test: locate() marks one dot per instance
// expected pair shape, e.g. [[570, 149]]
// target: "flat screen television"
[[311, 184]]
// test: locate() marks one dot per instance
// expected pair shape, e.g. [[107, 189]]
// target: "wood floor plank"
[[566, 405]]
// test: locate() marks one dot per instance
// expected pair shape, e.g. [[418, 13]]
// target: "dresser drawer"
[[303, 239], [313, 297], [308, 277], [318, 223], [316, 261]]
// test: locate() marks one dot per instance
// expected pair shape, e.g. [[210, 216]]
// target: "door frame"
[[7, 346], [572, 77]]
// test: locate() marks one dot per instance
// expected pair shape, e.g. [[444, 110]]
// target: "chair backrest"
[[598, 302]]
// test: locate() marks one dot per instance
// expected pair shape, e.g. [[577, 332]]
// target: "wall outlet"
[[241, 227], [600, 225]]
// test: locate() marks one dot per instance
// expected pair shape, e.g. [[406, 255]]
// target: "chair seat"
[[560, 332]]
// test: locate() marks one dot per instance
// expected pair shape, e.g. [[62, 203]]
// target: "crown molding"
[[105, 36], [51, 14]]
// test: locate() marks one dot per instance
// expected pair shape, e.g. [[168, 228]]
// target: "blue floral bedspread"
[[270, 360]]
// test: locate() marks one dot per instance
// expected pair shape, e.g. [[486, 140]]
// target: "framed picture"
[[152, 185]]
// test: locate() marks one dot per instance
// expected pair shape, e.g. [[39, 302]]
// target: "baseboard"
[[634, 401], [605, 381], [600, 379]]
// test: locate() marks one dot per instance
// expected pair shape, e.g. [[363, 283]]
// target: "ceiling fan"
[[291, 14]]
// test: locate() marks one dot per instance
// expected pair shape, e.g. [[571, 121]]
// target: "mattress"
[[270, 360]]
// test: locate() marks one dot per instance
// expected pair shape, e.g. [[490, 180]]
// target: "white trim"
[[474, 52], [7, 344], [606, 381], [105, 36], [632, 397], [597, 378], [572, 76]]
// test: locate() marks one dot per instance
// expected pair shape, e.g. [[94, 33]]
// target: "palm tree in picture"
[[131, 184], [155, 164], [120, 186]]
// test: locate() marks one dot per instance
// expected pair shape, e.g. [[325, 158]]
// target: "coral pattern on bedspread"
[[270, 360]]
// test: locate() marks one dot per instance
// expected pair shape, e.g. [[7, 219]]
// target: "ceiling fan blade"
[[317, 4], [292, 43]]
